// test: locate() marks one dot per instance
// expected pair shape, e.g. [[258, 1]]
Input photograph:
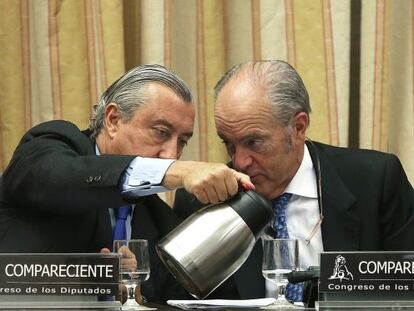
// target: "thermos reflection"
[[212, 244]]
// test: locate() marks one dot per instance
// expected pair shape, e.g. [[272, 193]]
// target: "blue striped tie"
[[294, 292]]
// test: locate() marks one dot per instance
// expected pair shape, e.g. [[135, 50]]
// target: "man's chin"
[[260, 189], [259, 182]]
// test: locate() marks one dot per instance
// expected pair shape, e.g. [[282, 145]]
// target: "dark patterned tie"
[[121, 215], [294, 292]]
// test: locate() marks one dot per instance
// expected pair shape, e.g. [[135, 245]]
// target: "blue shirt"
[[142, 177]]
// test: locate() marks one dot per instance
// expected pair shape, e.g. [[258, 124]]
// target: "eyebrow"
[[244, 138], [171, 127]]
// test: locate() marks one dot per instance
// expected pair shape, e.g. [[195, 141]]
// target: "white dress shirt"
[[302, 214]]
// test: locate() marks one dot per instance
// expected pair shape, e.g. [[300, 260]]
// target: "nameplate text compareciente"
[[59, 274]]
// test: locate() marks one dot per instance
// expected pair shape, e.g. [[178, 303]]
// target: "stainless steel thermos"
[[212, 244]]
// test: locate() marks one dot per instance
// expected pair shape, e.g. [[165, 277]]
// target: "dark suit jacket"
[[55, 195], [368, 204], [56, 192]]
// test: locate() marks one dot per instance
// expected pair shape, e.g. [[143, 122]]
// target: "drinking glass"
[[280, 256], [134, 268]]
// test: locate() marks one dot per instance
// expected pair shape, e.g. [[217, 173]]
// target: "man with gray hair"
[[338, 199], [64, 189]]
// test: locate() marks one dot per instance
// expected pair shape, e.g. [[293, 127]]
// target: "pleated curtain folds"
[[356, 59]]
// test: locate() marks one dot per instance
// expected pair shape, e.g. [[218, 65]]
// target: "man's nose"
[[241, 159], [169, 150]]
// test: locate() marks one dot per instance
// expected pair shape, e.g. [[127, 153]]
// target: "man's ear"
[[300, 124], [112, 119]]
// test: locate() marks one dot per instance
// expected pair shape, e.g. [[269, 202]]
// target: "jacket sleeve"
[[55, 169]]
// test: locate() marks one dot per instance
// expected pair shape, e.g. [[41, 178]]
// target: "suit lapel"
[[153, 218], [142, 224], [340, 227], [105, 228]]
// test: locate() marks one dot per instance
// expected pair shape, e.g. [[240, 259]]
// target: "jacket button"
[[89, 179], [97, 178]]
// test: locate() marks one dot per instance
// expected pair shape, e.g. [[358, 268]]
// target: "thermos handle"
[[254, 209]]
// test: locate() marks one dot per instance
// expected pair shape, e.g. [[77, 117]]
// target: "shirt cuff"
[[143, 176]]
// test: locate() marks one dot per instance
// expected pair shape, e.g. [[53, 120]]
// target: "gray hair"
[[284, 87], [128, 92]]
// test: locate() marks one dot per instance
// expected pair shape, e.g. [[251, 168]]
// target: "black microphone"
[[310, 277], [311, 274]]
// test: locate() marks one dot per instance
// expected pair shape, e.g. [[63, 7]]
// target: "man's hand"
[[105, 250], [128, 260], [209, 182]]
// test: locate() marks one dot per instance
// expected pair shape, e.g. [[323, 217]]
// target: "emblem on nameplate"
[[340, 270]]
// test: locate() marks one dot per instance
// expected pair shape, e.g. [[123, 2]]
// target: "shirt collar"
[[304, 182], [97, 152]]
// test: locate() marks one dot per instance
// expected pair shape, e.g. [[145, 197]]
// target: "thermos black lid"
[[254, 209]]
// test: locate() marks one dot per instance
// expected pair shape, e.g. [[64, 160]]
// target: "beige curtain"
[[356, 59]]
